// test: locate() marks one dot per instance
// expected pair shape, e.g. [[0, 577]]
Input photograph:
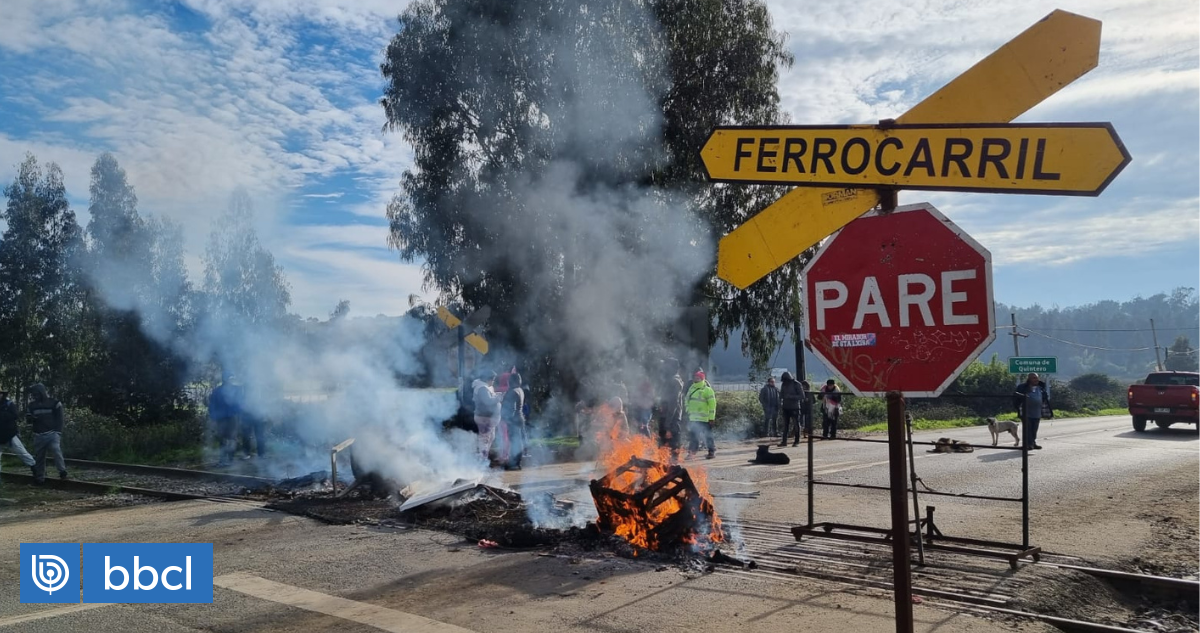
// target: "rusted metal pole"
[[810, 467], [1024, 492], [912, 471], [902, 585]]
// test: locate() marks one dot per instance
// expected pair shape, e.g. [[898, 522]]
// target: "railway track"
[[948, 580], [172, 484]]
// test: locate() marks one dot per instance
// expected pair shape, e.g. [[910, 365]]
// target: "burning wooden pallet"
[[654, 505]]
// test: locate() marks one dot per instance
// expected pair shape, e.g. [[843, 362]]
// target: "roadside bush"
[[92, 436], [738, 413], [935, 410], [857, 412], [1066, 397]]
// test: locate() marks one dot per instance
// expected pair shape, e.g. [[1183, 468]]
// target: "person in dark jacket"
[[768, 397], [225, 411], [670, 407], [47, 418], [806, 407], [831, 409], [790, 396], [512, 417], [10, 417], [1030, 398]]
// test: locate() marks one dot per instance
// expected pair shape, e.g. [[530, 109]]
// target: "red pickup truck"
[[1166, 397]]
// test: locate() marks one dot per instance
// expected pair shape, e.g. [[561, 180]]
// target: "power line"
[[1144, 329], [1085, 346]]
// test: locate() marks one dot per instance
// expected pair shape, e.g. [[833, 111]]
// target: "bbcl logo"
[[117, 572], [49, 573], [148, 572]]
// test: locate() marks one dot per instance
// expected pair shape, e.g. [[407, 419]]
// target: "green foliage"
[[137, 284], [1181, 356], [738, 413], [501, 98], [40, 297], [1108, 337], [990, 384], [243, 285], [92, 436], [1087, 396], [857, 412], [1097, 384]]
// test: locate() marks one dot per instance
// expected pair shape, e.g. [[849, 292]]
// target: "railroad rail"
[[953, 581], [97, 477]]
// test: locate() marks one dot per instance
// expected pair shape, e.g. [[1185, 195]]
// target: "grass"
[[556, 442], [955, 423]]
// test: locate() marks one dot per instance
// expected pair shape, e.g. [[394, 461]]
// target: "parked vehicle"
[[1167, 397]]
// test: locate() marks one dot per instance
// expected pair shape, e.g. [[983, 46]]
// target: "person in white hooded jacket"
[[487, 411]]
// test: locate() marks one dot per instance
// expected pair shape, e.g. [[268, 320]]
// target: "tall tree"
[[556, 172], [40, 299], [136, 376], [1181, 356], [244, 287]]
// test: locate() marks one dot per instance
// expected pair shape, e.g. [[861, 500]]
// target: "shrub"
[[92, 436], [857, 412], [738, 413]]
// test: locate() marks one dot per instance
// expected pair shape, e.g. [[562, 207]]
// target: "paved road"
[[1091, 470], [288, 574]]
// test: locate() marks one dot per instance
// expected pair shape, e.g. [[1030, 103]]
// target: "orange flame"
[[617, 447]]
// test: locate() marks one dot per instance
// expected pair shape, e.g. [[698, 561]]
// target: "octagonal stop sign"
[[899, 302]]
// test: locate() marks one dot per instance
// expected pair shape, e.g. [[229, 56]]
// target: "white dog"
[[998, 427]]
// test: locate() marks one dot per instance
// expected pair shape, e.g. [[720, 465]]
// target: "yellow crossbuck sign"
[[474, 340], [1062, 159], [1059, 49]]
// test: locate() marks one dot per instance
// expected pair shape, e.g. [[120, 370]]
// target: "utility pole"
[[1157, 357], [1016, 335], [798, 340]]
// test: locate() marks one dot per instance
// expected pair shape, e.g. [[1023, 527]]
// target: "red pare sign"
[[899, 302]]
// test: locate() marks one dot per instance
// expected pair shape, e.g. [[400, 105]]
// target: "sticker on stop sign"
[[899, 302]]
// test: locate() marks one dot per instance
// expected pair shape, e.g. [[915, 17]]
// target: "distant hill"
[[1110, 337]]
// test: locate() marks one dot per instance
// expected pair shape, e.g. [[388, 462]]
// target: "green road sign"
[[1037, 364]]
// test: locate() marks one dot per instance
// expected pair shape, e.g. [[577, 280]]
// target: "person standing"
[[512, 415], [831, 409], [791, 397], [46, 415], [670, 408], [806, 407], [701, 404], [768, 397], [642, 408], [225, 412], [1030, 398], [253, 426], [10, 416], [487, 412]]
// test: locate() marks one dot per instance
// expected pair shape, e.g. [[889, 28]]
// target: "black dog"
[[765, 456]]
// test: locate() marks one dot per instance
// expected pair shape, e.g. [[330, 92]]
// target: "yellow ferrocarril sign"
[[1056, 158], [448, 318], [1034, 65]]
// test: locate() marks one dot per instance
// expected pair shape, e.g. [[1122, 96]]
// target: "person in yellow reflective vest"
[[701, 405]]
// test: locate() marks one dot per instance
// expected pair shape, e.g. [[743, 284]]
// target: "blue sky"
[[198, 97]]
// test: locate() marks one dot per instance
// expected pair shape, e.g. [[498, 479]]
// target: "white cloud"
[[249, 101], [1071, 231]]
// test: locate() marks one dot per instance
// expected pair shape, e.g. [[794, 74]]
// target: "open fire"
[[651, 502]]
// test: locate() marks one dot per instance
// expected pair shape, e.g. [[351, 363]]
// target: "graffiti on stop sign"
[[899, 302]]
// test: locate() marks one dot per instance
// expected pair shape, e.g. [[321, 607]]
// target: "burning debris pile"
[[651, 502], [655, 506]]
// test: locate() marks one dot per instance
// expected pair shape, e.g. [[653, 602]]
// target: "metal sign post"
[[897, 465]]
